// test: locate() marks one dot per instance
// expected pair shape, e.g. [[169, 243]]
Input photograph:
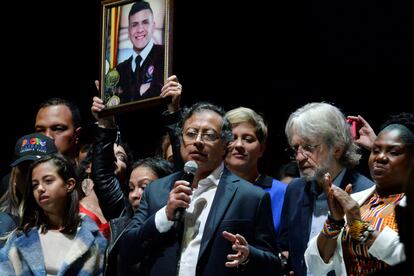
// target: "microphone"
[[190, 169]]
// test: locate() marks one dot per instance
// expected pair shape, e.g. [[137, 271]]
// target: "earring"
[[87, 185]]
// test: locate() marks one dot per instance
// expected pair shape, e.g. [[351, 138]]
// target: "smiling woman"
[[370, 241]]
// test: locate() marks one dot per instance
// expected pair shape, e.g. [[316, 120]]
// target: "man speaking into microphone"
[[214, 223]]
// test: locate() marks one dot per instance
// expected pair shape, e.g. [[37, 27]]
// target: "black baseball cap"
[[31, 147]]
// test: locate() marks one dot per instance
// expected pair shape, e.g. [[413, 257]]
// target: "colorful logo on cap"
[[33, 144]]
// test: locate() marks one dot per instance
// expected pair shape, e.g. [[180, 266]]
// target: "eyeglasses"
[[306, 150], [192, 135]]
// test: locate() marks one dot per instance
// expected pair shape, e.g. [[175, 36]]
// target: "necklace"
[[257, 178]]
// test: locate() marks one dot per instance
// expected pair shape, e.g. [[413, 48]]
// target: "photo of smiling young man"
[[142, 55]]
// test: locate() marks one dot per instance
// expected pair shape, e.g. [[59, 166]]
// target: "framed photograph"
[[136, 53]]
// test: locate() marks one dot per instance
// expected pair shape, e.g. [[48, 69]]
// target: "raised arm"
[[107, 187], [366, 135], [172, 88]]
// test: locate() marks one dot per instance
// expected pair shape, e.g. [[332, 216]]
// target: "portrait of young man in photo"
[[136, 67]]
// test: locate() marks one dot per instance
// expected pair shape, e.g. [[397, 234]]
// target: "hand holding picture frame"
[[135, 54]]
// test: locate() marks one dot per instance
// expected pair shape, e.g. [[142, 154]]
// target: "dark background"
[[272, 56]]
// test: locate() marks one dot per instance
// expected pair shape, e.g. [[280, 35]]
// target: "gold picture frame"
[[132, 29]]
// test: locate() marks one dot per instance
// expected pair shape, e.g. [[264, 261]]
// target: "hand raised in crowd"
[[241, 247], [172, 88], [97, 106], [366, 134]]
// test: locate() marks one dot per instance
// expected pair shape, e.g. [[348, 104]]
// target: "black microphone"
[[190, 169]]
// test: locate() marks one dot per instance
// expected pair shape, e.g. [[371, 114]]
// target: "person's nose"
[[300, 155], [198, 141], [198, 137], [238, 145], [48, 132], [381, 157], [238, 142], [140, 28], [40, 188], [137, 193]]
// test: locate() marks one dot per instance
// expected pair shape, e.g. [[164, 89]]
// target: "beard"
[[319, 171]]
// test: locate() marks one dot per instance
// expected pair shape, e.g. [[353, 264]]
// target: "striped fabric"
[[379, 211]]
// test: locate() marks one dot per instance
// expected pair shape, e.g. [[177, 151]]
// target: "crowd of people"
[[117, 216]]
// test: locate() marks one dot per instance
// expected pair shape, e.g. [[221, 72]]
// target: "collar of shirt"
[[338, 179], [144, 53], [211, 179]]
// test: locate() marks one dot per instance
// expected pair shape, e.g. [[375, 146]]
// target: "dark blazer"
[[151, 71], [238, 207], [297, 213]]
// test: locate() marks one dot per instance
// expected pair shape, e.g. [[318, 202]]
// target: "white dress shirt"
[[144, 53], [194, 221]]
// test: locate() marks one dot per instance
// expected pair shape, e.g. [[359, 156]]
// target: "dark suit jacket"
[[151, 71], [238, 207], [297, 213]]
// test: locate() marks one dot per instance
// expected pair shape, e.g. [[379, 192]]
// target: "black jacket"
[[112, 200]]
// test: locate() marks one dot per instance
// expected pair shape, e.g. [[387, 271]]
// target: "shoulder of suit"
[[358, 179], [297, 183], [249, 187], [124, 63], [158, 47], [166, 180]]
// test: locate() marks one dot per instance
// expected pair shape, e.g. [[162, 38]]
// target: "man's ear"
[[71, 182]]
